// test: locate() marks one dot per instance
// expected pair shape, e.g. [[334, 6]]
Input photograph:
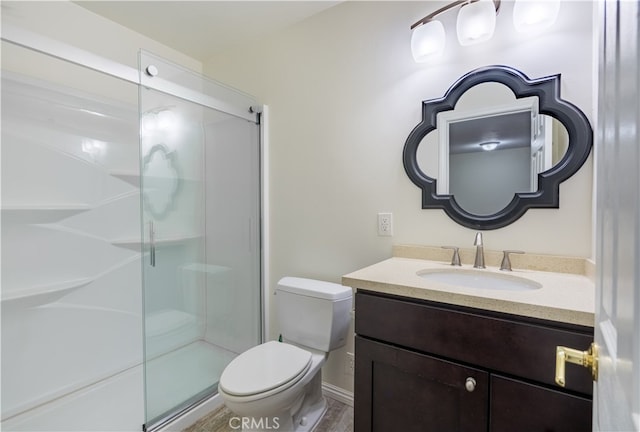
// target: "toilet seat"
[[265, 369]]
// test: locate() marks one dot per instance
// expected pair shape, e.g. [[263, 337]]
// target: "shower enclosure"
[[130, 241]]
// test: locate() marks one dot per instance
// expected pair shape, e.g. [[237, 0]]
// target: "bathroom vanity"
[[436, 357]]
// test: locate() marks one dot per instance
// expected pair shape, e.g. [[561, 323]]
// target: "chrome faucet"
[[479, 261]]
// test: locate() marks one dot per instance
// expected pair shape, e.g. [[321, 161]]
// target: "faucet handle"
[[455, 259], [478, 239], [506, 262]]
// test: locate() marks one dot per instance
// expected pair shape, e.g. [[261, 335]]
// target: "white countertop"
[[563, 297]]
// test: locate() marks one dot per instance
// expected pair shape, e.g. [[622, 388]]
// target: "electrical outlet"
[[385, 224], [349, 366]]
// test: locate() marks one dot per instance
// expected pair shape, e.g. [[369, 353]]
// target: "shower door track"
[[63, 51]]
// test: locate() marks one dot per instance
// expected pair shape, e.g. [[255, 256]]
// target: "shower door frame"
[[63, 51], [257, 114]]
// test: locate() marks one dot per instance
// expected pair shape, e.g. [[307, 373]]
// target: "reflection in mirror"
[[490, 147], [160, 180]]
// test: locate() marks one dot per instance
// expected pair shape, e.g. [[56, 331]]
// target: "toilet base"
[[311, 419], [285, 423], [303, 415], [313, 407]]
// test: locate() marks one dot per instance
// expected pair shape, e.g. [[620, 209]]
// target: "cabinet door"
[[518, 406], [400, 390]]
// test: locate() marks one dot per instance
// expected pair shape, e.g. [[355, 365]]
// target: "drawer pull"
[[470, 384]]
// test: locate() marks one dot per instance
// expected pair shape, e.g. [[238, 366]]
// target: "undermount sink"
[[480, 279]]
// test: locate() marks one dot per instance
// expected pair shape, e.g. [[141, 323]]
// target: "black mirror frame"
[[547, 89]]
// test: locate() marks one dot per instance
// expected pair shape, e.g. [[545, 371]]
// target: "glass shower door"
[[200, 223]]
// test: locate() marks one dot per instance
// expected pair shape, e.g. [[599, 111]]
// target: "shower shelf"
[[41, 213], [134, 244], [131, 177], [42, 294]]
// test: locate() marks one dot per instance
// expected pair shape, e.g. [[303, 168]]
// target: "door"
[[173, 221], [402, 390], [201, 251], [617, 391], [546, 409]]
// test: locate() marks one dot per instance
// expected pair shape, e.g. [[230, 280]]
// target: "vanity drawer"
[[499, 342]]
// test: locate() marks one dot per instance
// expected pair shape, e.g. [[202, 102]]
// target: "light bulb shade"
[[476, 22], [427, 41], [535, 15]]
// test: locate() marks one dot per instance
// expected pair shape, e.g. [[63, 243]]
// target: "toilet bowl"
[[270, 382], [278, 385]]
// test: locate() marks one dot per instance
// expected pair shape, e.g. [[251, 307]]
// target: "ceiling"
[[202, 28], [511, 130]]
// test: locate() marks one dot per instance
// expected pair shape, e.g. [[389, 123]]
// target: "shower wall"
[[71, 276], [233, 177]]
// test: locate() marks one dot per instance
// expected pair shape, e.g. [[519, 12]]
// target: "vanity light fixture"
[[535, 15], [476, 23], [489, 145], [427, 40]]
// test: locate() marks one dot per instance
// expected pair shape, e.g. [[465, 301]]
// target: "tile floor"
[[338, 418]]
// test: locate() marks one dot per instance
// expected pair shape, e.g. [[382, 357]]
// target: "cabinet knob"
[[470, 384]]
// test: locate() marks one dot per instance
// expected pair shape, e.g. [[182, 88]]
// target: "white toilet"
[[277, 385]]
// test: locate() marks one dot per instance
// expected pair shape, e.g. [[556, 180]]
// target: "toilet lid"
[[263, 368]]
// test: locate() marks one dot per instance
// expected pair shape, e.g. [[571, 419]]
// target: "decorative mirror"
[[497, 144]]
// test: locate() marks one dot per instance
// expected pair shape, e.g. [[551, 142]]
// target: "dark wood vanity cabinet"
[[424, 366], [401, 390]]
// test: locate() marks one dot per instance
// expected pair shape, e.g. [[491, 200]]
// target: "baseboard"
[[337, 393]]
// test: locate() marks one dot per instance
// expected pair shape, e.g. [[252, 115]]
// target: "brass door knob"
[[588, 359]]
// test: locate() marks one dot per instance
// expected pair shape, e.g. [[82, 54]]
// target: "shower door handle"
[[152, 245]]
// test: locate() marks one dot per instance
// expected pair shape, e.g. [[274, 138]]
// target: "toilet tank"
[[312, 313]]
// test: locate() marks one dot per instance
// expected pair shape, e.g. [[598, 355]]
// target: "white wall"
[[344, 93]]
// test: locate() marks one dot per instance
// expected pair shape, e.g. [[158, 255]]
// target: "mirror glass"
[[490, 147]]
